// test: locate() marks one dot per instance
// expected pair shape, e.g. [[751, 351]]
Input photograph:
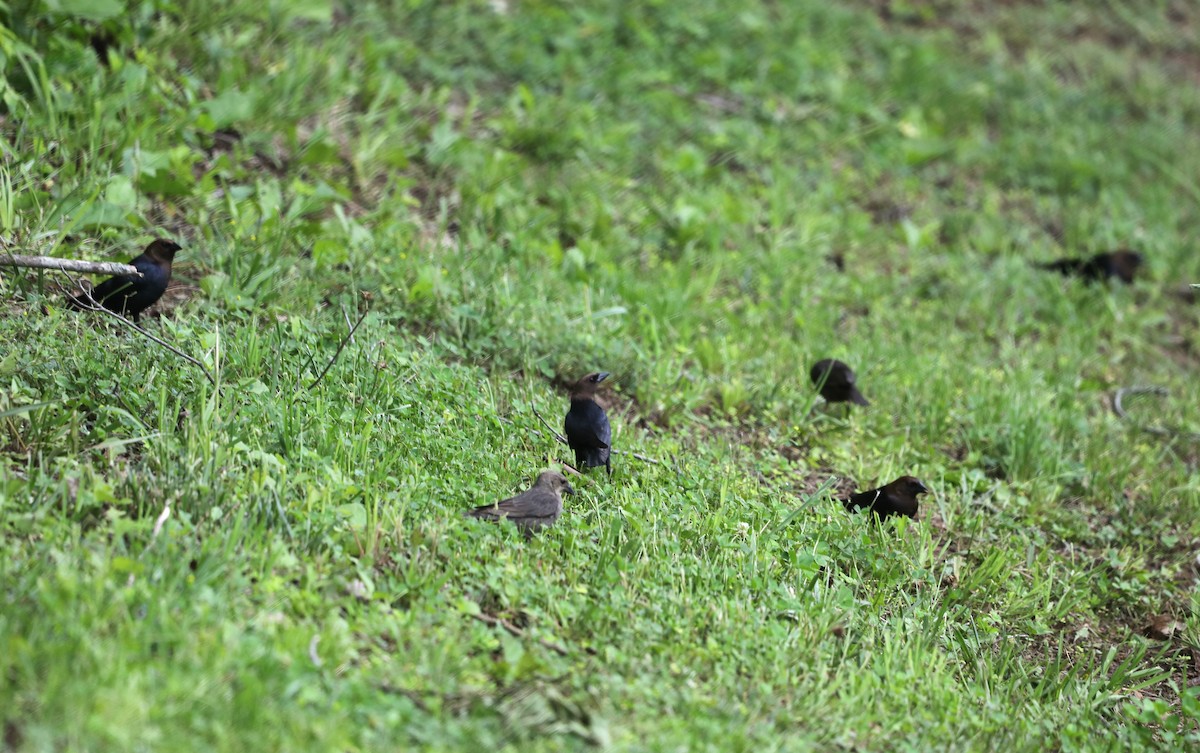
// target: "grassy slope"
[[648, 188]]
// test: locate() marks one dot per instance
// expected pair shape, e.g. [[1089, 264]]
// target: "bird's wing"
[[113, 286], [537, 502], [861, 499], [588, 426]]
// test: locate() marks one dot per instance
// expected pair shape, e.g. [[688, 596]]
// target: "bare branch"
[[563, 440], [70, 265], [1119, 397], [637, 456], [517, 632], [89, 303], [553, 433], [158, 524], [162, 518], [313, 656], [1119, 409], [349, 336]]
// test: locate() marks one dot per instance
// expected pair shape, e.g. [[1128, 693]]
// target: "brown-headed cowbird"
[[586, 424], [1122, 265], [836, 382], [130, 296], [536, 508], [897, 498]]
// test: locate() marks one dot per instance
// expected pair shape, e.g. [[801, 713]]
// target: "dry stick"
[[487, 619], [563, 440], [349, 336], [313, 656], [158, 524], [70, 265], [162, 518], [567, 467], [1119, 409], [313, 356], [636, 456], [413, 695], [93, 305]]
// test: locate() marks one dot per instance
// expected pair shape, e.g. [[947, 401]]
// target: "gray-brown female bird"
[[586, 424], [836, 382], [897, 498], [130, 296], [539, 507]]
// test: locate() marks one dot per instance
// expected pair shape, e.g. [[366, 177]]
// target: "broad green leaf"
[[229, 107]]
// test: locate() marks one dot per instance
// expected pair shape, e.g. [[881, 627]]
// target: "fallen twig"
[[561, 439], [158, 525], [515, 631], [413, 695], [91, 304], [162, 519], [1162, 431], [349, 336], [313, 656], [637, 456], [70, 265]]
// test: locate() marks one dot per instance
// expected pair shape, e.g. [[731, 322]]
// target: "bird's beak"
[[924, 489], [602, 376], [568, 489]]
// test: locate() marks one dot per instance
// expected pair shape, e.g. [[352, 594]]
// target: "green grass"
[[515, 197]]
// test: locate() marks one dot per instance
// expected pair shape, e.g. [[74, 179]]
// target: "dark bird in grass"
[[586, 425], [1122, 265], [128, 295], [897, 498], [537, 508], [836, 382]]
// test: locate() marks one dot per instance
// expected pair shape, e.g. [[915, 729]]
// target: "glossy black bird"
[[836, 382], [128, 295], [586, 425], [539, 507], [897, 498], [1122, 265]]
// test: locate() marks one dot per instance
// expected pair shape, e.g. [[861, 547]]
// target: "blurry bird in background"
[[896, 498], [836, 382], [538, 507], [128, 295], [586, 424], [1122, 265]]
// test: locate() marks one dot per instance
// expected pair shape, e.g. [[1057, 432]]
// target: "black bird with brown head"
[[1121, 265], [586, 424], [130, 296]]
